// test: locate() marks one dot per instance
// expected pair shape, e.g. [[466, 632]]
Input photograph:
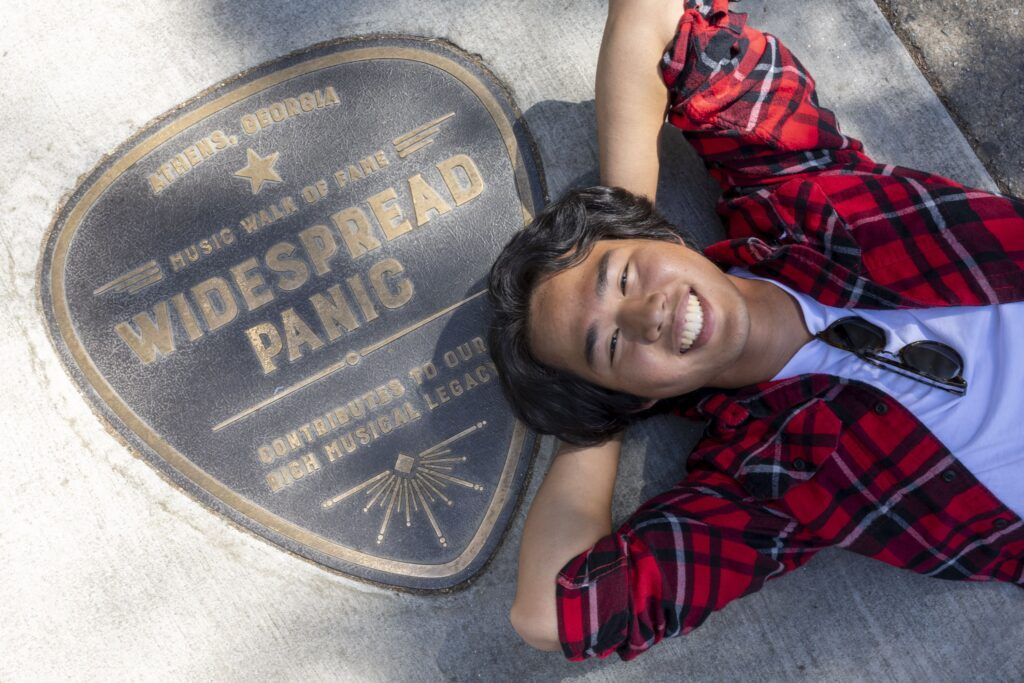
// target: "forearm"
[[630, 95], [571, 511]]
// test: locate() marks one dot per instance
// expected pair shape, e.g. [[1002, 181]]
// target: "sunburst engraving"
[[414, 485]]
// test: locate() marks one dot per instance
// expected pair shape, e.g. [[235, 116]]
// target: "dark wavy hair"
[[550, 400]]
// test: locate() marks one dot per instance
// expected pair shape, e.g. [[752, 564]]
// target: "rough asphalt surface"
[[972, 53]]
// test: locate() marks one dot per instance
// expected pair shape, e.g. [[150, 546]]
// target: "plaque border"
[[187, 475]]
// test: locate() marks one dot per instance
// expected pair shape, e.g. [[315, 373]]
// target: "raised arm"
[[630, 94], [743, 100], [571, 511]]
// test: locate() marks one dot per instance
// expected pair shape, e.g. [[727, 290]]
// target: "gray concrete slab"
[[973, 55], [110, 572]]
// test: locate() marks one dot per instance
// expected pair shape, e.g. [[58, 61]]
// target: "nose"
[[642, 317]]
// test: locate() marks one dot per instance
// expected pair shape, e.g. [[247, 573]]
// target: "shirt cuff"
[[593, 601]]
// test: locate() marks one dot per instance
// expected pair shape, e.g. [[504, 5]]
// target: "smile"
[[691, 323]]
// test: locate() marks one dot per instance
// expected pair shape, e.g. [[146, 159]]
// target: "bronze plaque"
[[275, 292]]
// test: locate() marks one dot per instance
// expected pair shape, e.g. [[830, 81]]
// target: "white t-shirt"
[[985, 428]]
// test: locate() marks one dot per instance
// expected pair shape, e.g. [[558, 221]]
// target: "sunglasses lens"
[[854, 334], [934, 359]]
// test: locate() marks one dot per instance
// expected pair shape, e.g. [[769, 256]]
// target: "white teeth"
[[693, 325]]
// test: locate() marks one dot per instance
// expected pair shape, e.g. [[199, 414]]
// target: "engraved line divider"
[[146, 270], [139, 285], [418, 138], [401, 139], [351, 358], [452, 439], [406, 151]]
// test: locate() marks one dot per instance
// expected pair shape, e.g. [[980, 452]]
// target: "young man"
[[851, 346]]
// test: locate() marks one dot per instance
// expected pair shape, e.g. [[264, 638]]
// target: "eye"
[[612, 344], [622, 280]]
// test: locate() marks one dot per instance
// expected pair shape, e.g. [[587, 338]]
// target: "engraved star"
[[259, 170]]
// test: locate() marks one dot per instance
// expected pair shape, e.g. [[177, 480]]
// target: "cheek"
[[652, 374]]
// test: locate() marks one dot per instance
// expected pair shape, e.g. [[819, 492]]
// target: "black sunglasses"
[[929, 362]]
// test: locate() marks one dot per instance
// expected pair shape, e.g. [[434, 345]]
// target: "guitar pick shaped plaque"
[[275, 293]]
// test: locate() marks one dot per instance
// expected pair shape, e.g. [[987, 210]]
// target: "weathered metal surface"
[[275, 294]]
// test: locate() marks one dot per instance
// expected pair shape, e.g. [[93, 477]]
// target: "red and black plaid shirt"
[[789, 467]]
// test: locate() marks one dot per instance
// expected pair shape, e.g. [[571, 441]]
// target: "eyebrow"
[[599, 290]]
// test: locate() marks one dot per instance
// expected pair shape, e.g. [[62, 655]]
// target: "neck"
[[777, 331]]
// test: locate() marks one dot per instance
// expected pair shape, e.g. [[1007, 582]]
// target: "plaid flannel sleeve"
[[683, 555], [747, 104], [789, 175]]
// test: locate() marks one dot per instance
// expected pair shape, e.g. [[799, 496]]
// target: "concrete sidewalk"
[[973, 55], [112, 573]]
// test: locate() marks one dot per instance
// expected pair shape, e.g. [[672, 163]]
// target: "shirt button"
[[948, 476], [1001, 523], [799, 465], [881, 408]]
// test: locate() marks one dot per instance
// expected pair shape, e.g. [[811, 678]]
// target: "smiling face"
[[625, 319]]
